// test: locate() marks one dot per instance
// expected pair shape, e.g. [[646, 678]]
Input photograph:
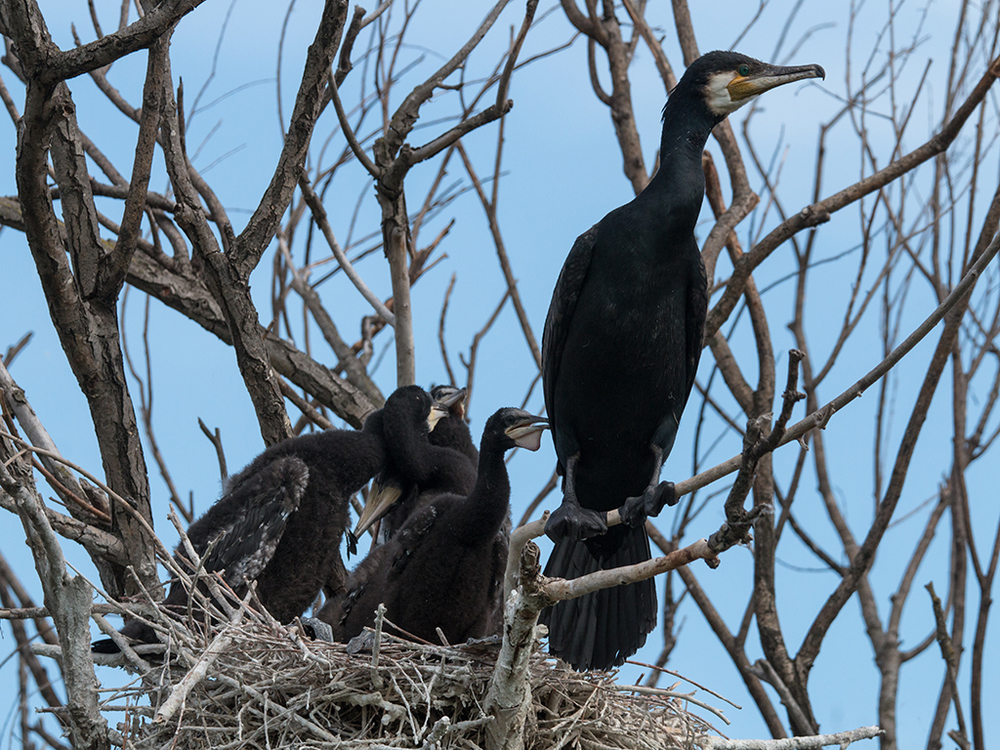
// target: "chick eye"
[[743, 70]]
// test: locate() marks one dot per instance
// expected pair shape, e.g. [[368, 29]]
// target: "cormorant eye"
[[743, 70]]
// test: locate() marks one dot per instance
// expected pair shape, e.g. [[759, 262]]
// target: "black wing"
[[697, 311], [564, 298], [243, 529]]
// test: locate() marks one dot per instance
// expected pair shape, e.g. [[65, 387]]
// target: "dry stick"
[[508, 273], [125, 650], [319, 214], [302, 405], [679, 676], [561, 589], [470, 365], [69, 599], [951, 666], [13, 351], [821, 416], [662, 64], [689, 697], [216, 439], [765, 672], [793, 743], [197, 673], [37, 434], [756, 445], [73, 497], [441, 341], [353, 367], [168, 559]]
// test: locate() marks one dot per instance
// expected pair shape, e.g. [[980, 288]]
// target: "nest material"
[[256, 684]]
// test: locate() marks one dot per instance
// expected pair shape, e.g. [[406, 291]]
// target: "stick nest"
[[256, 684]]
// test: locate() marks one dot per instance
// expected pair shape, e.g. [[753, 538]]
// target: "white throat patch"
[[717, 94]]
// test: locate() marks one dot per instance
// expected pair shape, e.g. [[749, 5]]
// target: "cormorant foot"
[[352, 543], [575, 522], [636, 510], [317, 629]]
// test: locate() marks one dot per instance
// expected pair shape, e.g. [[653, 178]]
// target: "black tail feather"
[[135, 630], [602, 629]]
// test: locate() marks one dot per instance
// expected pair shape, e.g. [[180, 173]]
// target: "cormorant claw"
[[637, 509], [576, 522]]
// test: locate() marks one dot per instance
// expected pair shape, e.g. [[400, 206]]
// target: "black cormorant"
[[442, 568], [398, 487], [619, 353], [452, 431], [280, 522]]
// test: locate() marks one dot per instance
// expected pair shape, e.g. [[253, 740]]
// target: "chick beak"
[[380, 498], [455, 402], [527, 433], [438, 412]]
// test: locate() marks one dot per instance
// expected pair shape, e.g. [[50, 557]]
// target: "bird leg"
[[637, 509], [571, 519]]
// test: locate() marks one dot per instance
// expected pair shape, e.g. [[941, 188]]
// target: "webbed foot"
[[575, 522], [637, 509]]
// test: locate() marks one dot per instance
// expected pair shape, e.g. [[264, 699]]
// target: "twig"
[[689, 697], [951, 666], [821, 416], [793, 743], [197, 673], [80, 470], [376, 647], [304, 406], [215, 437], [319, 214]]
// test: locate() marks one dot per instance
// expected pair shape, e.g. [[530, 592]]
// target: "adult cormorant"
[[442, 568], [619, 353], [281, 519], [397, 488]]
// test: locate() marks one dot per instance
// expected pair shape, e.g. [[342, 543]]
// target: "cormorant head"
[[413, 404], [728, 80], [409, 408], [451, 398], [518, 427]]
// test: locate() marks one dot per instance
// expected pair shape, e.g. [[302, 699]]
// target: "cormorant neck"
[[407, 448], [687, 123], [489, 500]]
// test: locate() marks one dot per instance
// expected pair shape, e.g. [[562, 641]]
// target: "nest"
[[253, 683]]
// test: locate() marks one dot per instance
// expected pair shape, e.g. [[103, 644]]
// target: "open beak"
[[381, 497], [455, 402], [772, 76], [527, 433], [438, 413]]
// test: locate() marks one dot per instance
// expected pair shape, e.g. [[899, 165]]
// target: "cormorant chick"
[[280, 522], [441, 569], [452, 431], [395, 493], [624, 331]]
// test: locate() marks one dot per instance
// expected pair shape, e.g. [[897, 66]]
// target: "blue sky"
[[562, 173]]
